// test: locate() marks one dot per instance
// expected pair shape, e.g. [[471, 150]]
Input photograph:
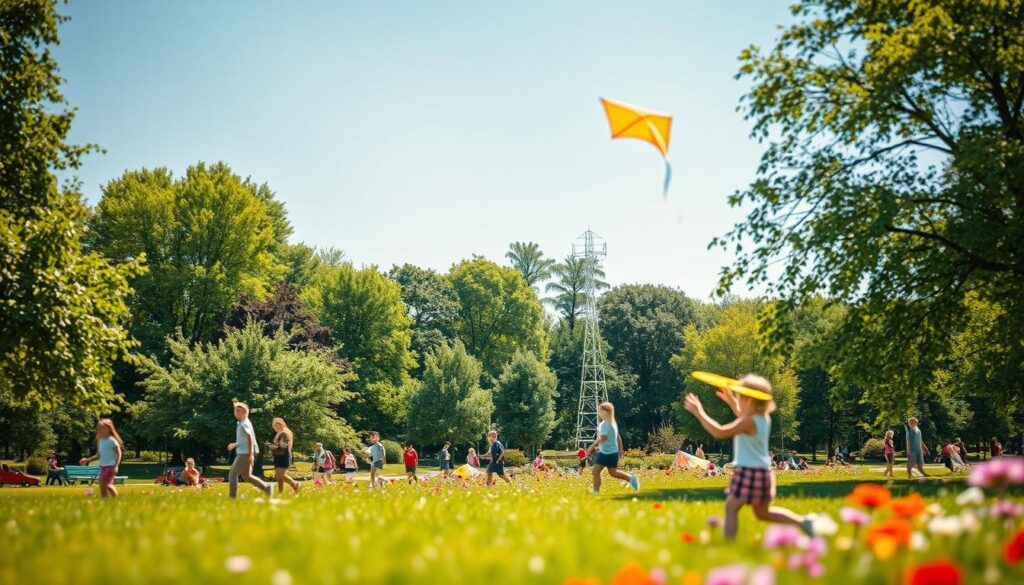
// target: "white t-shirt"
[[242, 433]]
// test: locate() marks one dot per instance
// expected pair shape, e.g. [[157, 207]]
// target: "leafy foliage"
[[189, 400], [431, 303], [570, 286], [524, 408], [527, 258], [892, 183], [62, 309], [499, 313], [449, 404]]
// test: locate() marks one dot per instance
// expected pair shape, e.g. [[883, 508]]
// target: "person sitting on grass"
[[472, 458], [752, 481], [608, 446], [538, 463], [191, 474]]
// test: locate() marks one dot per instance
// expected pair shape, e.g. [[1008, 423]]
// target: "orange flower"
[[686, 538], [658, 505], [909, 506], [938, 572], [691, 578], [886, 538], [869, 495], [633, 573], [581, 581]]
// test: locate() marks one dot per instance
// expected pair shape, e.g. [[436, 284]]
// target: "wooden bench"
[[80, 473]]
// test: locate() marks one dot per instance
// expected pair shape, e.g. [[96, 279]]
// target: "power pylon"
[[593, 390]]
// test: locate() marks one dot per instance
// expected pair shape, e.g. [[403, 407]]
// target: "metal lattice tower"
[[593, 390]]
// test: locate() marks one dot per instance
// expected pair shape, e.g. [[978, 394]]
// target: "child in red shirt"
[[412, 459], [582, 456]]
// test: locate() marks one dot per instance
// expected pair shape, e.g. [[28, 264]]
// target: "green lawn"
[[542, 529]]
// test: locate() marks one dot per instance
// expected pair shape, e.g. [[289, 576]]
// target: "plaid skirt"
[[753, 485]]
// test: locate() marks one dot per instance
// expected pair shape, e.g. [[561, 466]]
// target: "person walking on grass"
[[444, 461], [752, 481], [348, 462], [246, 449], [281, 449], [109, 448], [916, 448], [889, 450], [608, 446], [377, 458], [412, 459], [54, 472], [496, 463]]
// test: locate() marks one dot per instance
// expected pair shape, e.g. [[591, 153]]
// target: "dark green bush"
[[515, 458], [393, 451], [873, 449], [36, 466]]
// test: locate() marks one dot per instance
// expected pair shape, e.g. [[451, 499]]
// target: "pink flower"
[[727, 575], [762, 575], [88, 492], [816, 570], [238, 564], [816, 547], [999, 471], [854, 516], [658, 576], [714, 521], [1006, 508], [781, 535]]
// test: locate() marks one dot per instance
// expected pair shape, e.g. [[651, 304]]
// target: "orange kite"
[[632, 122]]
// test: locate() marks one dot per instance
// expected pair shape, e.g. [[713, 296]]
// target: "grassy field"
[[541, 529]]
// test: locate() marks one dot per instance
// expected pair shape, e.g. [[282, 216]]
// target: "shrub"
[[515, 457], [665, 440], [392, 451], [634, 453], [148, 456], [631, 462], [873, 449], [36, 466], [659, 461]]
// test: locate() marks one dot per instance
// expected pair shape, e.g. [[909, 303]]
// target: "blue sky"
[[426, 132]]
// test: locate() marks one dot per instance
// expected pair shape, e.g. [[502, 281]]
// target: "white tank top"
[[752, 450]]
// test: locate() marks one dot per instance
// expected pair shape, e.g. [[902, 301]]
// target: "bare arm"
[[713, 427], [729, 397], [117, 460]]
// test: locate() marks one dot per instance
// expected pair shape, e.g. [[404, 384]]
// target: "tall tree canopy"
[[449, 404], [569, 287], [364, 310], [893, 182], [189, 400], [499, 313], [731, 348], [62, 309], [432, 305], [529, 260], [524, 401], [644, 327], [208, 238]]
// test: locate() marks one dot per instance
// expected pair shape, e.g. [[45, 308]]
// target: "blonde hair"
[[755, 382], [109, 425], [190, 461], [243, 406], [912, 420], [609, 408], [284, 425], [889, 434]]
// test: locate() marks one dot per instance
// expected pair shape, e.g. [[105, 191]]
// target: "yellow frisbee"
[[755, 394], [713, 379]]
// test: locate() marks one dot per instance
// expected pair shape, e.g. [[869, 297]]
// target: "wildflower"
[[581, 581], [909, 506], [946, 526], [762, 575], [691, 578], [824, 525], [714, 522], [535, 564], [658, 576], [886, 538], [88, 492], [633, 573], [1006, 508], [971, 496], [781, 535], [1013, 550], [938, 572], [686, 538], [918, 541], [727, 575], [869, 495], [998, 472], [658, 505], [854, 516], [238, 564], [281, 577]]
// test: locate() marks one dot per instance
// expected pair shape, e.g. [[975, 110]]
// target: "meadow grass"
[[542, 529]]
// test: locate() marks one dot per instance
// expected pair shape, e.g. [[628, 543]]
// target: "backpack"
[[329, 461]]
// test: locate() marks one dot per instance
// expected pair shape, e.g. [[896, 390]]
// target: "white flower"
[[238, 564], [281, 577], [971, 496], [918, 541], [844, 543], [946, 525], [535, 564], [970, 521], [824, 525]]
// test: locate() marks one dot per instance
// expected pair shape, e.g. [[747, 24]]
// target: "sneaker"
[[594, 492], [270, 491], [808, 526], [634, 482]]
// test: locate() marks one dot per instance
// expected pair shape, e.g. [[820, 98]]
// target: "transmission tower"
[[591, 248]]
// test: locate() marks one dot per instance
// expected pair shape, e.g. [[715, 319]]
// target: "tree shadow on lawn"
[[836, 489]]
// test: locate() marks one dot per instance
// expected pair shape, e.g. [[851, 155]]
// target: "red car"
[[9, 477]]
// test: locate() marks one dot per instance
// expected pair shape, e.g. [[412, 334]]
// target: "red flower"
[[658, 505], [1013, 551], [869, 495], [909, 506], [686, 538], [939, 572]]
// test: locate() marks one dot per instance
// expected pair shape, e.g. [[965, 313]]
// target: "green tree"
[[527, 258], [449, 404], [731, 348], [188, 402], [208, 238], [524, 401], [302, 263], [499, 313], [644, 327], [431, 303], [63, 308], [364, 310], [893, 182], [570, 285]]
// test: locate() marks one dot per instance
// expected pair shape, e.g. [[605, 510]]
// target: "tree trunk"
[[176, 458]]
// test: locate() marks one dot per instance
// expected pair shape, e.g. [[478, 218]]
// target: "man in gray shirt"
[[246, 448]]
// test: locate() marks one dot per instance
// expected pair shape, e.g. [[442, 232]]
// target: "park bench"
[[80, 473]]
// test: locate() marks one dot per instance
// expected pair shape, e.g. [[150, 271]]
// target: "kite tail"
[[668, 179]]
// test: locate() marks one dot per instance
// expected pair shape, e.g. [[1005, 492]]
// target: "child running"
[[608, 446], [377, 456], [496, 466], [753, 481], [412, 459], [109, 447]]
